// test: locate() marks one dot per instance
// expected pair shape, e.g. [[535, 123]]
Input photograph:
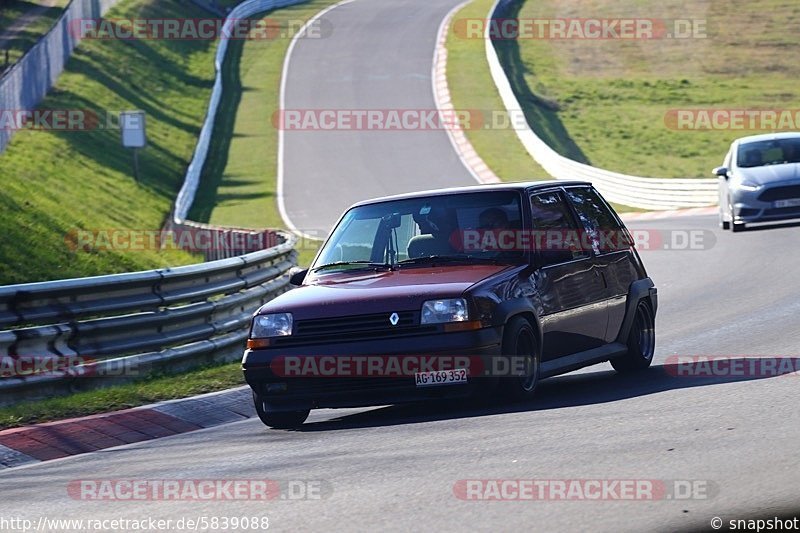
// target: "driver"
[[791, 152], [493, 218], [492, 222]]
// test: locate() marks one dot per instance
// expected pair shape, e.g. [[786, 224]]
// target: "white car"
[[759, 180]]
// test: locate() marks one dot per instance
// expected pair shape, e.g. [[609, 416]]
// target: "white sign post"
[[134, 135]]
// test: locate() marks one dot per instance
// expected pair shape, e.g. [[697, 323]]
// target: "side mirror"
[[297, 277], [721, 171]]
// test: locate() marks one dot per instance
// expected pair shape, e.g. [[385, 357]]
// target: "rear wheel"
[[521, 346], [641, 341], [280, 419]]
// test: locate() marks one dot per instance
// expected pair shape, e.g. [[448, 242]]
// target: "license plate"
[[441, 377], [792, 202]]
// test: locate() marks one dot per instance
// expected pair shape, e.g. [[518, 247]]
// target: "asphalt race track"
[[396, 467], [379, 57]]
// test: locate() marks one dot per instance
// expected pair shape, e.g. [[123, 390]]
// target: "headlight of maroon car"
[[273, 325], [442, 311]]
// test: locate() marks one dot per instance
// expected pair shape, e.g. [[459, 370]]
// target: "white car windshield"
[[772, 152]]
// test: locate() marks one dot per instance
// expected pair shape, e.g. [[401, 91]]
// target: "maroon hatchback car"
[[445, 293]]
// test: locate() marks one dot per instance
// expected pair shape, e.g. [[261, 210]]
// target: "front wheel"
[[641, 341], [724, 224], [522, 349], [280, 419], [736, 227]]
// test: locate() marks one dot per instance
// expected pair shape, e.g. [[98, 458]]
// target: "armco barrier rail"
[[91, 332], [186, 195], [24, 85], [635, 191]]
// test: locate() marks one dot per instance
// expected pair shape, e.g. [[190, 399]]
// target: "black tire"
[[641, 341], [281, 419], [519, 340]]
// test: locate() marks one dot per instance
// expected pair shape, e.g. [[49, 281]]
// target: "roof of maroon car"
[[511, 186]]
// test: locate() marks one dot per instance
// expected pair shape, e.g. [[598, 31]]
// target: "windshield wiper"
[[363, 264], [447, 259]]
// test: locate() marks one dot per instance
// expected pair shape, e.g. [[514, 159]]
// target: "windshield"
[[409, 231], [772, 152]]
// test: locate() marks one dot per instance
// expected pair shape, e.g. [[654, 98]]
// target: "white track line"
[[282, 105]]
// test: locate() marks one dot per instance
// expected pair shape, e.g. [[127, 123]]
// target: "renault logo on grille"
[[394, 318]]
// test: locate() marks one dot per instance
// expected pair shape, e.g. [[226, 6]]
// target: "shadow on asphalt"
[[772, 225], [572, 390]]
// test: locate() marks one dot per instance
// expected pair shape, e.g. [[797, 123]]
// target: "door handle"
[[602, 278]]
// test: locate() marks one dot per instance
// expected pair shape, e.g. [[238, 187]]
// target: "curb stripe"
[[10, 458], [55, 440]]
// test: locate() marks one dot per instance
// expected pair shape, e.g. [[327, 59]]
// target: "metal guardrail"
[[91, 332], [635, 191]]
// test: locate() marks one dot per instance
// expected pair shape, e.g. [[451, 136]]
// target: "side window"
[[604, 232], [555, 232]]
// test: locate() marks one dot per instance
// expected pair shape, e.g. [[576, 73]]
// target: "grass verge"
[[239, 182], [153, 389], [604, 102], [58, 182], [28, 36], [471, 87]]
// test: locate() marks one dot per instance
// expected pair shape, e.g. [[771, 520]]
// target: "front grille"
[[780, 193], [748, 212], [378, 322], [782, 211]]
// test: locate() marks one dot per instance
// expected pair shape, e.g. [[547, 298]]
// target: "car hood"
[[365, 291], [770, 173]]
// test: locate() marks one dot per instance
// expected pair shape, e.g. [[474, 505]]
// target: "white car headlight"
[[273, 325], [749, 186], [441, 311]]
